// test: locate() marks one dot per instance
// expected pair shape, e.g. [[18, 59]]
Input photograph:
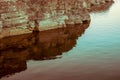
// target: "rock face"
[[23, 16], [11, 17], [68, 19]]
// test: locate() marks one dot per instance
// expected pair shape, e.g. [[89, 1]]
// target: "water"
[[94, 57]]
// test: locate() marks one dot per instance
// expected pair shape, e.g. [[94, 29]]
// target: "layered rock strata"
[[24, 16], [18, 17], [12, 18]]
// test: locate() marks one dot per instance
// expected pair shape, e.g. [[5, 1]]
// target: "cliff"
[[60, 23], [25, 16]]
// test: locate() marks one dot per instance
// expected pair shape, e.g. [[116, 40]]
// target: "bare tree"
[[35, 6]]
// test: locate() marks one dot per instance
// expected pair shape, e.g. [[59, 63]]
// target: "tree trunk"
[[36, 28]]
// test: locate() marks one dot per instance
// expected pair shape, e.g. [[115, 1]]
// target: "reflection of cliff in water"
[[16, 50]]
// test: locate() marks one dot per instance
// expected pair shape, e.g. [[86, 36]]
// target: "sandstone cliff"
[[23, 16]]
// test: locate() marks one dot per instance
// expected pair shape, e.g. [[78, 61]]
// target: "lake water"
[[95, 56]]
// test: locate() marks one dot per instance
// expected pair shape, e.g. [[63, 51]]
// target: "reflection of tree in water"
[[46, 45]]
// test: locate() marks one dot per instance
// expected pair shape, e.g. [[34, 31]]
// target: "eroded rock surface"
[[23, 16], [20, 17]]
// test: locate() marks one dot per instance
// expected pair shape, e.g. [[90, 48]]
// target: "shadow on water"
[[45, 45]]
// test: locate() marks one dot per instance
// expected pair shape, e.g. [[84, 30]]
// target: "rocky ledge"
[[25, 16], [68, 20]]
